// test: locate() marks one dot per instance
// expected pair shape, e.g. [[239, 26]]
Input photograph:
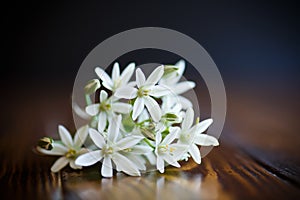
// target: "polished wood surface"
[[252, 161]]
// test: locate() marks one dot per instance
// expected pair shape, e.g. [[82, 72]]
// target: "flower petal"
[[97, 138], [171, 160], [184, 86], [103, 95], [107, 85], [92, 110], [102, 121], [65, 136], [138, 107], [126, 92], [137, 160], [114, 128], [104, 77], [106, 169], [195, 153], [171, 136], [116, 71], [155, 76], [203, 126], [160, 165], [153, 108], [89, 158], [160, 90], [140, 77], [127, 73], [157, 139], [125, 165], [80, 136], [186, 103], [59, 164], [141, 149], [57, 150], [120, 107], [206, 140], [188, 119], [73, 165], [128, 142]]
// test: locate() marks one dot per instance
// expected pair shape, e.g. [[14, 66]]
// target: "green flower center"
[[109, 150], [71, 154], [142, 92], [105, 106]]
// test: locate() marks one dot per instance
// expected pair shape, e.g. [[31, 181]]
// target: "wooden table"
[[258, 157]]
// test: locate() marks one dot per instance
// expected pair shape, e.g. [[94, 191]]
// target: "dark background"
[[254, 44]]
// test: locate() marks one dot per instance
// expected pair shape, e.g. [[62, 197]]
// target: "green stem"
[[88, 99], [149, 143]]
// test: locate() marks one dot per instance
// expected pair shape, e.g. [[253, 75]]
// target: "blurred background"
[[255, 45]]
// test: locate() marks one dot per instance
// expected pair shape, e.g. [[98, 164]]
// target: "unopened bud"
[[92, 86], [46, 143]]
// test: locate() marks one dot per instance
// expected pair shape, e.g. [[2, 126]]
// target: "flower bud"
[[169, 70], [92, 86], [46, 143]]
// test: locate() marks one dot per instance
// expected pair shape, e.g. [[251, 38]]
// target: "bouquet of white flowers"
[[135, 125]]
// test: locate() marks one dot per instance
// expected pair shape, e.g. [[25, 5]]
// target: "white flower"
[[146, 90], [191, 135], [117, 80], [165, 151], [69, 149], [107, 108], [171, 82], [111, 149]]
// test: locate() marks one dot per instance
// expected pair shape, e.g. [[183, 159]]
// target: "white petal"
[[171, 160], [203, 126], [140, 149], [155, 76], [137, 160], [138, 107], [97, 138], [181, 67], [107, 85], [160, 165], [186, 103], [106, 169], [184, 86], [92, 110], [206, 140], [170, 137], [151, 158], [59, 164], [159, 91], [102, 121], [125, 165], [115, 71], [157, 139], [153, 108], [120, 107], [188, 119], [126, 92], [104, 76], [128, 141], [80, 136], [195, 153], [89, 158], [127, 73], [65, 136], [103, 96], [73, 165], [140, 77], [114, 128], [57, 150]]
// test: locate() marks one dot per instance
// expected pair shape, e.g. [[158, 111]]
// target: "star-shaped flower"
[[144, 93], [106, 109], [191, 135], [69, 149], [167, 151], [111, 149], [118, 80]]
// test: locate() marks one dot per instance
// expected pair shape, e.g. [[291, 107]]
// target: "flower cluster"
[[134, 125]]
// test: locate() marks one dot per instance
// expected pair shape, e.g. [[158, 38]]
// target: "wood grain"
[[231, 171]]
